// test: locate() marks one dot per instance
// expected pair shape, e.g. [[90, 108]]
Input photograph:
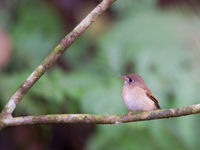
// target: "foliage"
[[144, 40]]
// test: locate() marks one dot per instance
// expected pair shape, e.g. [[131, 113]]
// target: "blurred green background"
[[158, 39]]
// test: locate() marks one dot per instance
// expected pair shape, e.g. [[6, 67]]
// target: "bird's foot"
[[143, 113], [130, 113]]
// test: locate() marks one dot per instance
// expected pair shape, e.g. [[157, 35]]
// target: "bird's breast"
[[135, 99]]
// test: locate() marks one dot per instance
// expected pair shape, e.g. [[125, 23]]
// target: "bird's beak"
[[122, 77]]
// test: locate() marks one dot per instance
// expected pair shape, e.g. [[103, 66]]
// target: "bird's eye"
[[130, 80]]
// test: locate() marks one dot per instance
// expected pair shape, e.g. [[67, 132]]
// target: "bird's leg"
[[130, 113], [143, 113]]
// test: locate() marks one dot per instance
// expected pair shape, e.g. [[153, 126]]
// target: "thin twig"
[[54, 55], [99, 119], [7, 120]]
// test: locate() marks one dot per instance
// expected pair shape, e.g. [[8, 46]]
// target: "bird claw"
[[130, 113]]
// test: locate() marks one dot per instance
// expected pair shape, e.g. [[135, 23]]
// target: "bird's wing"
[[152, 97]]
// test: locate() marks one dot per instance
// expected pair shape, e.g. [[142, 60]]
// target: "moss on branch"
[[99, 119]]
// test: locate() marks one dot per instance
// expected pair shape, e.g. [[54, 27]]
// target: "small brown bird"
[[136, 94]]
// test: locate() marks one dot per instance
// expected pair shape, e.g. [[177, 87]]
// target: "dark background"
[[158, 39]]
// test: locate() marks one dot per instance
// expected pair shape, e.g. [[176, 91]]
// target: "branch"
[[54, 55], [7, 120], [99, 119]]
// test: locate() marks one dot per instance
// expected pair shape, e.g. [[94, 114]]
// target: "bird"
[[136, 95]]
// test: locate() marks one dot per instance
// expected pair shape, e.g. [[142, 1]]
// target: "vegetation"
[[158, 44]]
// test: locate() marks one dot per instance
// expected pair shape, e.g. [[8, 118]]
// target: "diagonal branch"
[[7, 120], [99, 119], [54, 55]]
